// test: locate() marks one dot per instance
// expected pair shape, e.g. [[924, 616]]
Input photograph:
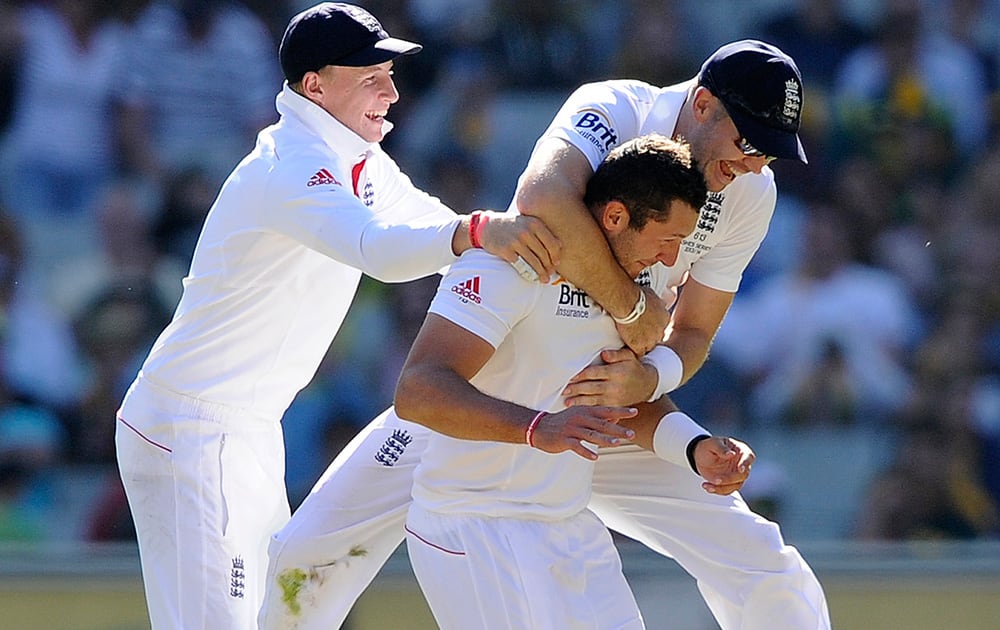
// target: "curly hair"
[[646, 174]]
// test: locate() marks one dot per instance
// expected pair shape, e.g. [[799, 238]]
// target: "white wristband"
[[669, 369], [637, 311], [672, 436]]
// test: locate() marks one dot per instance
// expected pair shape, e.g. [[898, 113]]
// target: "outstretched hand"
[[514, 236], [724, 463], [643, 335], [570, 428]]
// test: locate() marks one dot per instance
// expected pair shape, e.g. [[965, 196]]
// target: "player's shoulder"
[[615, 91], [487, 271], [753, 186], [299, 159], [481, 261]]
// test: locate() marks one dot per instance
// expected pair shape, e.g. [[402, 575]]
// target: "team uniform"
[[499, 534], [199, 438], [746, 573]]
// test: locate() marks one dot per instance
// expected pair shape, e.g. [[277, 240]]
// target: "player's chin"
[[373, 129]]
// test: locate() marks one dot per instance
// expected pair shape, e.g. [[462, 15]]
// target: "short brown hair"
[[646, 174]]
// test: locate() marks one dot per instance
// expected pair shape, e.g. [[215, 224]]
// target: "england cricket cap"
[[337, 34], [761, 89]]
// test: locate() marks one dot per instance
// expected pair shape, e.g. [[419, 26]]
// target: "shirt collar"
[[667, 109], [334, 133]]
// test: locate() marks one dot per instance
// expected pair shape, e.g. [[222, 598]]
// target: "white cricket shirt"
[[280, 258], [543, 335], [597, 117]]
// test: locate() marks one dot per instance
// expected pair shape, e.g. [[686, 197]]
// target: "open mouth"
[[378, 116]]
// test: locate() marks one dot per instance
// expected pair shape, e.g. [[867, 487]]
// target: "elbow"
[[407, 398], [527, 201], [396, 272]]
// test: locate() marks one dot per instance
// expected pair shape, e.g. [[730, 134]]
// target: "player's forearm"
[[697, 316], [645, 422], [586, 259], [443, 401]]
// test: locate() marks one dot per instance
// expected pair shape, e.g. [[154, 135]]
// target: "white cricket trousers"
[[353, 520], [205, 485], [503, 573]]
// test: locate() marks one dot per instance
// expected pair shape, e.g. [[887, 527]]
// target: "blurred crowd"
[[871, 309]]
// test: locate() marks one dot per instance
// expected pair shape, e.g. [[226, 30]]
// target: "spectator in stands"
[[60, 143], [818, 34], [198, 86], [927, 492], [654, 50], [188, 194], [541, 45], [912, 74], [39, 361], [10, 62], [825, 342], [972, 23], [125, 254], [31, 443], [115, 331]]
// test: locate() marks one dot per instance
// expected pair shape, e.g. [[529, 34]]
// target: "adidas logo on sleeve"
[[468, 290], [323, 177]]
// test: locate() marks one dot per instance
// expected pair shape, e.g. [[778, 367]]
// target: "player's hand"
[[511, 236], [621, 380], [641, 336], [570, 428], [724, 463]]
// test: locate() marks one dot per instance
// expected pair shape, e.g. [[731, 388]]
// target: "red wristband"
[[529, 434], [476, 225]]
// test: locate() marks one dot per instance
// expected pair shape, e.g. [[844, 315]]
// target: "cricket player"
[[499, 534], [740, 112], [315, 204]]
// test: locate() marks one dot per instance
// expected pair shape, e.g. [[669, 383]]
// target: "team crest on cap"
[[793, 101], [364, 18]]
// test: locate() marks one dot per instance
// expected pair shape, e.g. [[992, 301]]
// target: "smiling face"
[[357, 97], [715, 141], [656, 241]]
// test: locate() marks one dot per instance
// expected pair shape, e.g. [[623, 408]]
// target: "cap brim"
[[381, 51], [768, 140]]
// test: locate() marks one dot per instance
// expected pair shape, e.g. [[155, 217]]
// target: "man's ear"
[[702, 103], [311, 86], [614, 217]]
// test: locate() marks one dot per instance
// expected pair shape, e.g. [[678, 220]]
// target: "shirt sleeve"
[[405, 234], [596, 118], [751, 208], [484, 295]]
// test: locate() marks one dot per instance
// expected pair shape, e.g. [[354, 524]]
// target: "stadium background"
[[861, 358]]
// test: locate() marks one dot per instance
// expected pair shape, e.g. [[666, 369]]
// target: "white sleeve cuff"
[[669, 369], [672, 436]]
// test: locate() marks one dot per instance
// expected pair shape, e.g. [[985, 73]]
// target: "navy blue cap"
[[761, 89], [336, 34]]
